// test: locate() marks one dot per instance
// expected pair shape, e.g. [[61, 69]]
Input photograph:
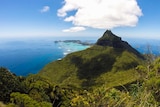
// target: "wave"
[[65, 53]]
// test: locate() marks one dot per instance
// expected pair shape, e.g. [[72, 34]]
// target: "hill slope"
[[110, 61]]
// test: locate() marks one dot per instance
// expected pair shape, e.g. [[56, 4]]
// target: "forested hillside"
[[41, 92], [109, 74], [103, 63]]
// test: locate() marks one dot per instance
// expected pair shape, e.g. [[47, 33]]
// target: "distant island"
[[75, 41]]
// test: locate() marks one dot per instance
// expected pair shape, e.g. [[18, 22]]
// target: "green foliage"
[[84, 68], [8, 83], [115, 79], [33, 87], [24, 100], [126, 61], [143, 94], [38, 87], [41, 92], [151, 81], [141, 70]]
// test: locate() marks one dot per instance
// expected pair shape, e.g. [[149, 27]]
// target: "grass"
[[113, 79], [93, 66]]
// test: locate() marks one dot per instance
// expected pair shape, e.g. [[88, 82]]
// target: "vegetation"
[[8, 83], [93, 67], [109, 36], [41, 92], [100, 76]]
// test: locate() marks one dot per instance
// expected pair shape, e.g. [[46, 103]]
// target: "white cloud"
[[45, 9], [102, 14], [74, 29]]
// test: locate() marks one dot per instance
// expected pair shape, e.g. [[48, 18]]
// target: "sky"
[[79, 18]]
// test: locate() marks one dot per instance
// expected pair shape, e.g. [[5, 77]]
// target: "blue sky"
[[37, 18]]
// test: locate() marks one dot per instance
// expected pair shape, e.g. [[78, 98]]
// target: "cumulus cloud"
[[74, 29], [102, 14], [45, 9]]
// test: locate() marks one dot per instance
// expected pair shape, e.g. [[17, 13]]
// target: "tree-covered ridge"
[[93, 66], [41, 92]]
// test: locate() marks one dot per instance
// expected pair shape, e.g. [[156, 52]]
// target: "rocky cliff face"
[[110, 39]]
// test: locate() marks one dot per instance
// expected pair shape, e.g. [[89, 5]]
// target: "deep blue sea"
[[26, 56]]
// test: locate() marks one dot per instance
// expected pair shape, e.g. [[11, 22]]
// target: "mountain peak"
[[111, 40], [111, 36]]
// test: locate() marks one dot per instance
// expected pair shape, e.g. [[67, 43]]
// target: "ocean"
[[28, 56]]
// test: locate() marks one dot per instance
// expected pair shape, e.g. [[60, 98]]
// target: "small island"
[[75, 41]]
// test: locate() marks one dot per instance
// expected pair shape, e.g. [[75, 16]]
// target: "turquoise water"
[[70, 47], [25, 56]]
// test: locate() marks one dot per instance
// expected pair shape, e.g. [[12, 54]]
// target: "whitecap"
[[59, 59], [65, 53], [69, 50]]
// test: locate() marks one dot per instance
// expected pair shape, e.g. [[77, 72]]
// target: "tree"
[[38, 87], [8, 83]]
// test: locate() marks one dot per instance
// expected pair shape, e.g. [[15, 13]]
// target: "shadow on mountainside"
[[92, 68]]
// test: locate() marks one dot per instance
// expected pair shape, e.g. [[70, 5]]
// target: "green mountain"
[[109, 62], [103, 75]]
